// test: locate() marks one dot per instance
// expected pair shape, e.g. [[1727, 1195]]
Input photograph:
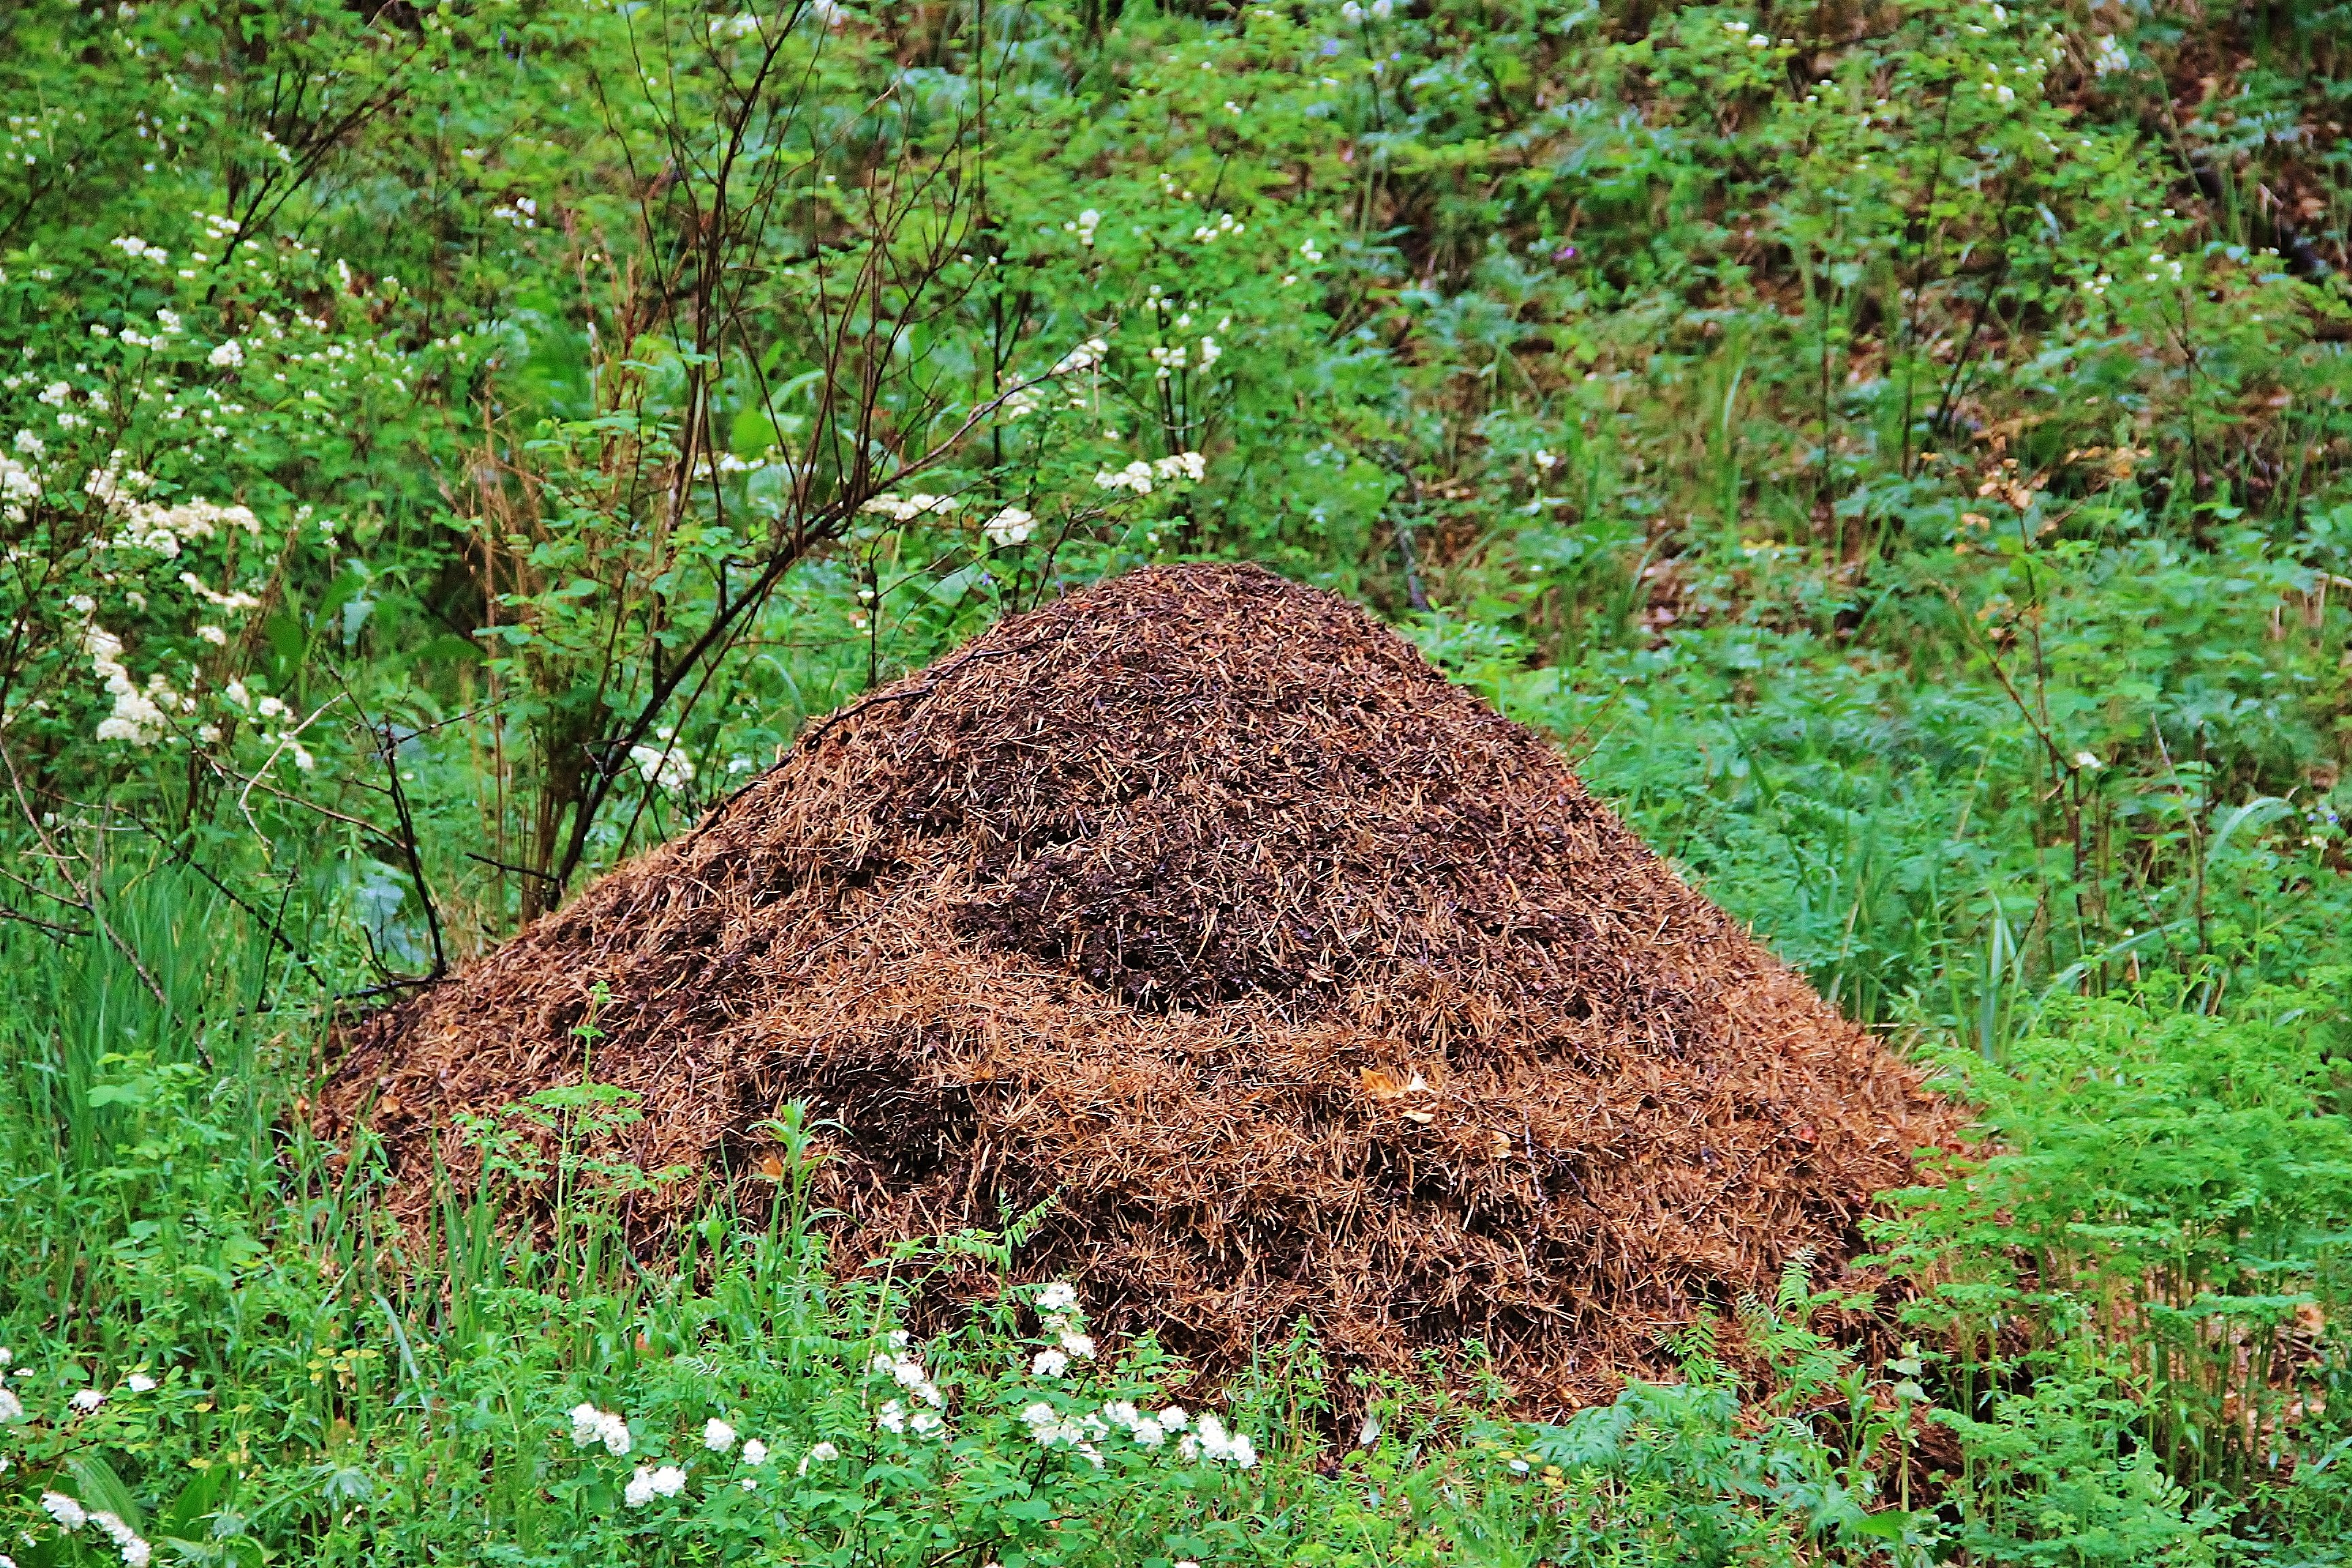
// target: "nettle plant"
[[169, 405]]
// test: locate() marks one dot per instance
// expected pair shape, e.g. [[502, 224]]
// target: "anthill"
[[1306, 984]]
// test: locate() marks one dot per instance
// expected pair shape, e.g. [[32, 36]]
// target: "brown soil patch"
[[1311, 986]]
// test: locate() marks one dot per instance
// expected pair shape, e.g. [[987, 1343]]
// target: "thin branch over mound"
[[1310, 984]]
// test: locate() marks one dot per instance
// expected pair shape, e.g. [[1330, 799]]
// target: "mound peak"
[[1307, 982]]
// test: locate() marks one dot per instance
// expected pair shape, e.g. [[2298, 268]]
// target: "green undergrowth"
[[1901, 450]]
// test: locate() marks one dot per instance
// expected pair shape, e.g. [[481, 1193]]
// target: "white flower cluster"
[[139, 716], [1057, 1306], [591, 1425], [665, 766], [12, 1409], [2107, 57], [651, 1481], [164, 530], [19, 486], [71, 1516], [271, 708], [1173, 357], [1209, 1439], [237, 599], [1080, 1433], [1018, 403], [523, 212], [227, 355], [1084, 227], [904, 1366], [1009, 527], [132, 245], [1209, 233], [1139, 475], [910, 507], [1085, 356], [1379, 11]]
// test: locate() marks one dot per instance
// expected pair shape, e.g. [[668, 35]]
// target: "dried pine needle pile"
[[1307, 983]]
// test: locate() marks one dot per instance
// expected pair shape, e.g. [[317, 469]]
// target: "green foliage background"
[[1900, 448]]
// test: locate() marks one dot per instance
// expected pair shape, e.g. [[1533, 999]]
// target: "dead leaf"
[[1387, 1085]]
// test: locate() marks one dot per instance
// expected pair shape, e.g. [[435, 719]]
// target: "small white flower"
[[12, 1409], [1009, 527], [717, 1437], [892, 1416], [136, 1553], [88, 1399], [226, 355], [69, 1514], [1077, 1344], [1049, 1364], [213, 635], [926, 1422], [1136, 476], [591, 1425], [140, 1383], [2088, 760], [1085, 356], [640, 1490], [1173, 1418], [755, 1452], [1058, 1297]]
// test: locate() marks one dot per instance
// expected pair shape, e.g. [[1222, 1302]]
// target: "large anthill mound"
[[1307, 983]]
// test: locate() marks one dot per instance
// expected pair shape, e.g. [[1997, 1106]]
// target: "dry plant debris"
[[1306, 984]]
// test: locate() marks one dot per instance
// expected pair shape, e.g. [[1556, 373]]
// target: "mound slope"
[[1310, 984]]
